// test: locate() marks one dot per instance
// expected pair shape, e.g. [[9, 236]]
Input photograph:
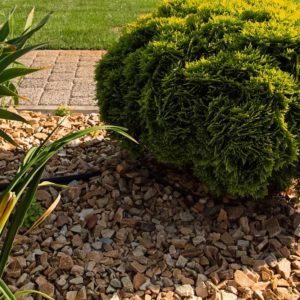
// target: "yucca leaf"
[[12, 73], [40, 156], [18, 218], [51, 134], [72, 136], [11, 58], [6, 92], [13, 88], [17, 183], [5, 29], [8, 115], [29, 292], [6, 207], [37, 163], [7, 138], [45, 215], [29, 20], [48, 183], [28, 156], [19, 42], [5, 290], [29, 177]]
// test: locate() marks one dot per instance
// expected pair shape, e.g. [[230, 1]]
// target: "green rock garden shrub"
[[214, 85]]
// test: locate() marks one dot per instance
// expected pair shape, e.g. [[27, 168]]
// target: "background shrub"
[[213, 85]]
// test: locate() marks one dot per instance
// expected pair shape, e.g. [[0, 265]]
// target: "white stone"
[[185, 290]]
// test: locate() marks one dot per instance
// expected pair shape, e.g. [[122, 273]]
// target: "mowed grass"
[[78, 24]]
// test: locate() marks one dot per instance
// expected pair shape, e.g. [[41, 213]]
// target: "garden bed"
[[133, 232]]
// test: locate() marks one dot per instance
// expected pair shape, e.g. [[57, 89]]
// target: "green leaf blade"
[[8, 138], [8, 115], [29, 20], [12, 73], [5, 290]]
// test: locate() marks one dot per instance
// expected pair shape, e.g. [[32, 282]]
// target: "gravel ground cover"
[[142, 231]]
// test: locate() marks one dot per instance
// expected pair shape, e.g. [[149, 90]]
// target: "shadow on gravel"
[[139, 229]]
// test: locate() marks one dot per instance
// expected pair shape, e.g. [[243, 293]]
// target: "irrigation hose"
[[158, 174], [62, 179]]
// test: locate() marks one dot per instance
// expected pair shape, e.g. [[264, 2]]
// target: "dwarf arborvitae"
[[213, 85]]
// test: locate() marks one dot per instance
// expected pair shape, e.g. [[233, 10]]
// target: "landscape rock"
[[77, 280], [137, 267], [284, 268], [242, 279], [273, 227], [47, 288], [235, 212], [202, 290], [116, 283], [181, 262], [228, 296], [71, 295], [138, 280], [66, 262], [104, 240], [185, 290], [127, 284]]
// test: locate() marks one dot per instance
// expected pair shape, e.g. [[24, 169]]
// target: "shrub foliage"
[[213, 85]]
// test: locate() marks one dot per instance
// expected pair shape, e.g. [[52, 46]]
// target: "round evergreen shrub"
[[214, 85]]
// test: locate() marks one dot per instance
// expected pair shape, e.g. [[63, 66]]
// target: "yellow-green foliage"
[[214, 85]]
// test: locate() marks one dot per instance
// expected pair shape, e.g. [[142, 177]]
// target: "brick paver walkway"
[[68, 79]]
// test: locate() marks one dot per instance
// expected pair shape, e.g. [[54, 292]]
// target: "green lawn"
[[79, 24]]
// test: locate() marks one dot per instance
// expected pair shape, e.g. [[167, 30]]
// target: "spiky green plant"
[[19, 195], [62, 111], [213, 85], [11, 49]]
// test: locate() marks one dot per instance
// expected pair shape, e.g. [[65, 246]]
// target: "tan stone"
[[273, 227], [235, 212], [77, 270], [179, 243], [202, 290], [186, 230], [228, 296], [62, 220], [136, 297], [138, 280], [71, 295], [47, 288], [222, 217], [296, 264], [185, 290], [266, 275], [244, 222], [170, 295], [284, 268], [260, 286], [81, 294], [242, 279], [43, 195], [66, 262], [155, 289], [227, 238], [137, 267], [186, 280], [252, 275]]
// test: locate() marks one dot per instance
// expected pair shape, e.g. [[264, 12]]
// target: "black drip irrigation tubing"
[[62, 179], [158, 174]]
